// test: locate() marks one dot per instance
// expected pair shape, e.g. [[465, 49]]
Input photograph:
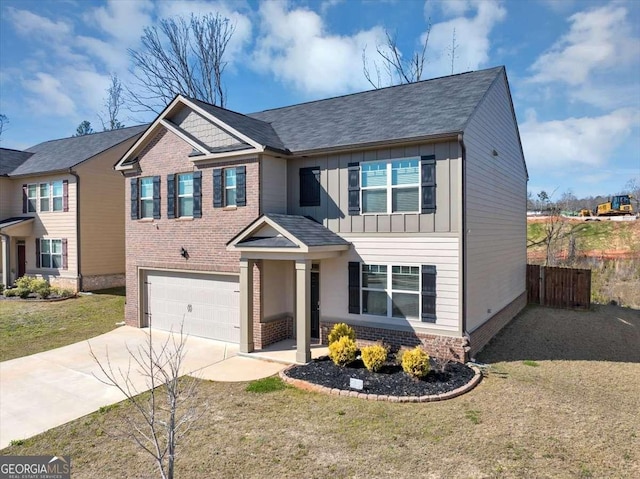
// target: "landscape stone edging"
[[308, 386], [40, 300]]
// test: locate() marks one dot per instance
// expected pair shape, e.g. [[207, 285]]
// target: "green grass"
[[266, 385], [528, 362], [32, 327]]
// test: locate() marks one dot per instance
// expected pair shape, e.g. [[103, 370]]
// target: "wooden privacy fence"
[[559, 287]]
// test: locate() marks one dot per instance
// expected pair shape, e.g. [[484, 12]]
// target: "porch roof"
[[287, 233], [10, 225]]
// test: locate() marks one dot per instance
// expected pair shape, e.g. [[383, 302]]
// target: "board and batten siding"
[[102, 213], [409, 250], [333, 211], [496, 194], [273, 185]]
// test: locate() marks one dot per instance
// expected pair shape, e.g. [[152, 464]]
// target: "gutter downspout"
[[463, 155], [78, 242]]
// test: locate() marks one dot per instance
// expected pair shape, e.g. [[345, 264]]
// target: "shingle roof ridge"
[[81, 136]]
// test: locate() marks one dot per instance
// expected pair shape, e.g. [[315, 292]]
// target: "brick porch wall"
[[94, 283], [272, 331], [156, 244], [435, 345], [481, 336]]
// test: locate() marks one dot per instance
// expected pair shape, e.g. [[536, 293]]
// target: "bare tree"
[[396, 68], [452, 50], [167, 412], [4, 121], [181, 57], [112, 105]]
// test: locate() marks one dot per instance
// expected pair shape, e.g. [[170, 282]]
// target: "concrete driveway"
[[45, 390]]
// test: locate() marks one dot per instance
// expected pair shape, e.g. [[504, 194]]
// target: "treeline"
[[567, 201]]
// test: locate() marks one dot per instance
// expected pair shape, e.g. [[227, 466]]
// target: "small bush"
[[10, 293], [23, 292], [415, 362], [340, 330], [374, 357], [343, 351], [41, 287], [25, 282], [1, 288], [63, 292]]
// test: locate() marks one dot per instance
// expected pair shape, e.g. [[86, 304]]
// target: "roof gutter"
[[78, 238], [463, 249]]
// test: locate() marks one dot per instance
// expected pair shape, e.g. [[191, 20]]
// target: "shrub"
[[10, 293], [343, 350], [1, 288], [41, 287], [25, 282], [63, 292], [340, 330], [374, 357], [415, 362], [23, 292]]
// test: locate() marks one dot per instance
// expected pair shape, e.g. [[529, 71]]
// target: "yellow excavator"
[[619, 205]]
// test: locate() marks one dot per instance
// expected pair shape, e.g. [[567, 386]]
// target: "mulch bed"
[[390, 381]]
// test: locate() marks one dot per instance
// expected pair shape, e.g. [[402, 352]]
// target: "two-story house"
[[400, 211], [62, 211]]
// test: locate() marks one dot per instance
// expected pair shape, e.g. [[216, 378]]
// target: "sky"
[[573, 66]]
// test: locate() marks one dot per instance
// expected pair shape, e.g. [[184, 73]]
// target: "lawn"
[[31, 327], [554, 403]]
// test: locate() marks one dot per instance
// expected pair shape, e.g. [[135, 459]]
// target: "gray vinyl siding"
[[496, 192], [202, 129], [273, 185], [333, 211]]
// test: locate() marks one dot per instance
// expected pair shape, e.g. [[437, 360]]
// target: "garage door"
[[209, 305]]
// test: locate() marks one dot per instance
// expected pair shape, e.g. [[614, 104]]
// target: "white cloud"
[[29, 24], [295, 46], [575, 143], [597, 39], [123, 20], [472, 36], [51, 98], [558, 6]]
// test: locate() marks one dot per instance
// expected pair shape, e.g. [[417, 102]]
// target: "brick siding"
[[156, 244], [95, 283]]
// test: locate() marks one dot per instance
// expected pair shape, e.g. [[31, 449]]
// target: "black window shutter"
[[217, 188], [197, 194], [156, 198], [65, 195], [241, 186], [65, 254], [24, 199], [171, 196], [354, 287], [310, 186], [428, 183], [37, 252], [134, 198], [428, 293], [354, 188]]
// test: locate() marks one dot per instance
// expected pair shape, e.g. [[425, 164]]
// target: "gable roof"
[[11, 159], [427, 108], [65, 153]]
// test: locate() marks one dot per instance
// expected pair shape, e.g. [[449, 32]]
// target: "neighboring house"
[[62, 211], [400, 211]]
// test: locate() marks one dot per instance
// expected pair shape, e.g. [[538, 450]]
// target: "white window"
[[391, 186], [185, 194], [50, 253], [45, 196], [391, 291], [230, 187], [57, 192], [32, 198], [146, 197]]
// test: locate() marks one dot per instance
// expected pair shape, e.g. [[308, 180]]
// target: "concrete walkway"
[[47, 389]]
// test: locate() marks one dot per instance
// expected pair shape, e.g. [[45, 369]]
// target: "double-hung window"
[[146, 197], [230, 187], [392, 291], [50, 253], [57, 194], [44, 196], [185, 194], [32, 198], [391, 186]]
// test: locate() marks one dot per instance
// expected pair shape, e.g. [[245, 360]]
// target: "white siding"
[[496, 192], [273, 185], [441, 251]]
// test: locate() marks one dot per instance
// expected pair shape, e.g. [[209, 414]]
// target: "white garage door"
[[209, 305]]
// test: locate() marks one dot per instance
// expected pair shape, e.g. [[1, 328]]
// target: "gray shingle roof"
[[56, 155], [430, 107], [14, 221], [11, 159], [275, 242], [307, 230], [257, 130]]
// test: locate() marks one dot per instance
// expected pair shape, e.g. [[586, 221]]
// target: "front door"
[[22, 257], [315, 304]]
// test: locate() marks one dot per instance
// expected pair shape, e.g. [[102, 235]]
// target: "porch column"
[[6, 261], [246, 306], [303, 313]]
